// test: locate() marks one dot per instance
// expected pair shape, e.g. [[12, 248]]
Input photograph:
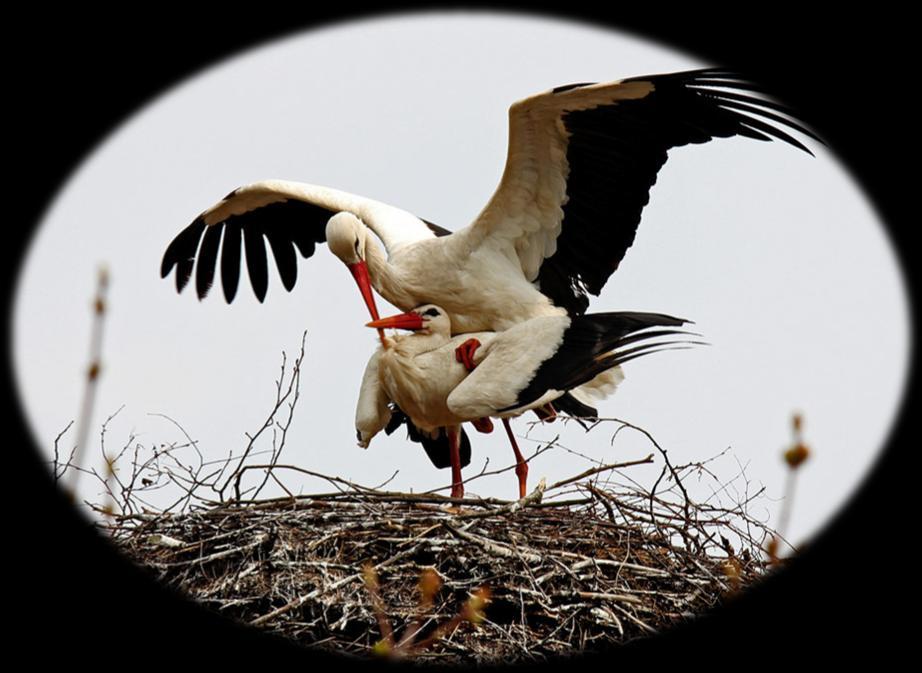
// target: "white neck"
[[383, 276], [419, 342]]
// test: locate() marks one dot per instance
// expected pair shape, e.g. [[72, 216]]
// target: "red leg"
[[454, 445], [484, 425], [465, 353], [521, 467]]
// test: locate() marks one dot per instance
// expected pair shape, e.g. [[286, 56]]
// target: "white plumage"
[[525, 367], [580, 163]]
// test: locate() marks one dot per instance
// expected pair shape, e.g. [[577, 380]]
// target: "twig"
[[603, 468], [92, 374]]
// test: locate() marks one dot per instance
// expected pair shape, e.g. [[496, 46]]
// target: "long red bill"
[[412, 321], [359, 271]]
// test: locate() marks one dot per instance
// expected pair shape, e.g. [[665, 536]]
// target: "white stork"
[[525, 367], [580, 164]]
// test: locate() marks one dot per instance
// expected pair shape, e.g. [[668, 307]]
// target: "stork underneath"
[[440, 382]]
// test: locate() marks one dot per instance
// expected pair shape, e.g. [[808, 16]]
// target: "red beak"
[[359, 271], [411, 321]]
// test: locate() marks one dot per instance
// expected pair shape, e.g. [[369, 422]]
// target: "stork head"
[[347, 236], [426, 319]]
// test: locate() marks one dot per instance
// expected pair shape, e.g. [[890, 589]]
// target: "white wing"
[[582, 159], [537, 361], [291, 216], [372, 413]]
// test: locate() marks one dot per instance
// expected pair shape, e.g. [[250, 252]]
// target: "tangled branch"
[[592, 560]]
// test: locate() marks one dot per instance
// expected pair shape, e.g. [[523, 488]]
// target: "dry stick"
[[530, 500], [491, 546], [301, 600], [92, 374], [280, 399], [238, 474], [294, 388], [260, 539], [483, 473], [672, 470], [353, 528], [675, 476], [603, 468], [795, 456], [646, 627], [373, 585], [624, 598], [429, 584], [601, 498], [109, 462], [57, 462], [469, 612]]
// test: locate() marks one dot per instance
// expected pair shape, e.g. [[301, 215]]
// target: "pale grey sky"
[[777, 257]]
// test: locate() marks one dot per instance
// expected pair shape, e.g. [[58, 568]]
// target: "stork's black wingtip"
[[181, 281]]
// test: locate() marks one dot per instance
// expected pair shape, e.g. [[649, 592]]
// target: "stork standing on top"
[[579, 168], [580, 163]]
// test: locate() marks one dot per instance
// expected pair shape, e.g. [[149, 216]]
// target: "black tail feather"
[[594, 343], [573, 407]]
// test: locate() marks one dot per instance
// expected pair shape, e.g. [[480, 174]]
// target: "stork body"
[[480, 287], [527, 366]]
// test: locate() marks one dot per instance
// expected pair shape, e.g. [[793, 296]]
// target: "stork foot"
[[465, 353], [484, 425]]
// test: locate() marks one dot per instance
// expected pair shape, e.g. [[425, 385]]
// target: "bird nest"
[[376, 573], [582, 564]]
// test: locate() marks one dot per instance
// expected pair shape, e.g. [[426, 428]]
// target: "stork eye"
[[431, 312]]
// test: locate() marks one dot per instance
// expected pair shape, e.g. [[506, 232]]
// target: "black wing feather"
[[437, 448], [230, 260], [614, 153], [255, 248], [436, 229], [286, 261], [593, 343], [181, 253], [288, 225], [207, 255], [573, 407]]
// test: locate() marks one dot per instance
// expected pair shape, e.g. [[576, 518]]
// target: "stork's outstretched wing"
[[290, 215], [582, 159]]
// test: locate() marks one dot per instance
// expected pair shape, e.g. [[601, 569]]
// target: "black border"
[[76, 73]]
